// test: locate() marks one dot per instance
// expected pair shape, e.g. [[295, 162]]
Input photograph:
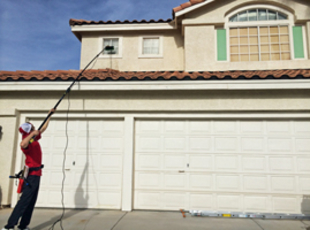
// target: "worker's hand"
[[52, 110]]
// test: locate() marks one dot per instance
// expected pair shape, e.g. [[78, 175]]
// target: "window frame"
[[289, 22], [159, 55], [120, 47]]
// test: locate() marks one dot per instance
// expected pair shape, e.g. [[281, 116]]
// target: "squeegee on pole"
[[69, 88]]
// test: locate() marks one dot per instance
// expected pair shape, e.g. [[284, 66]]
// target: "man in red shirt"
[[33, 153]]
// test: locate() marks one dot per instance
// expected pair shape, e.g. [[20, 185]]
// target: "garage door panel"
[[200, 182], [111, 162], [304, 183], [252, 127], [148, 127], [303, 145], [279, 128], [228, 182], [285, 205], [174, 126], [279, 145], [148, 200], [174, 144], [302, 127], [283, 184], [282, 164], [227, 163], [201, 201], [201, 162], [109, 180], [254, 183], [80, 159], [148, 180], [111, 144], [252, 144], [175, 181], [257, 204], [175, 161], [148, 162], [173, 201], [254, 164], [225, 127], [200, 127], [303, 164], [229, 202], [226, 144], [148, 144], [200, 144]]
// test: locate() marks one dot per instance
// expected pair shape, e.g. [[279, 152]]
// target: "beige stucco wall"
[[172, 58], [13, 106], [199, 46]]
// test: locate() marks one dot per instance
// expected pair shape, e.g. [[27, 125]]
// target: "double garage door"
[[208, 164]]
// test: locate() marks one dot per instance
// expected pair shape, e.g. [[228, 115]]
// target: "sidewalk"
[[146, 220]]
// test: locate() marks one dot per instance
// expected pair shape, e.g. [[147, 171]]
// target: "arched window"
[[260, 33], [258, 15]]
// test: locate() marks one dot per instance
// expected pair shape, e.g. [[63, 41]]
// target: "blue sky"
[[35, 34]]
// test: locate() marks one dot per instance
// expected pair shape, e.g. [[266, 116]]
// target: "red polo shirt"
[[33, 155]]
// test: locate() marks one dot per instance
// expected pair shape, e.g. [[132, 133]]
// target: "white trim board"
[[122, 27], [159, 85]]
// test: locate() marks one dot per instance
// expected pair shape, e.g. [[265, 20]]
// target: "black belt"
[[36, 168]]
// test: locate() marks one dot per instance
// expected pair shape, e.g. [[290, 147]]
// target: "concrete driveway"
[[146, 220]]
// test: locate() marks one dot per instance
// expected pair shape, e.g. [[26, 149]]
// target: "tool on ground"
[[250, 215], [183, 213]]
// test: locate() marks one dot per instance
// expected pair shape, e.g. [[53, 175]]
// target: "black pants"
[[26, 203]]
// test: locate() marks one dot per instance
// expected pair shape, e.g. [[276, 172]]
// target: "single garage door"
[[222, 165], [93, 164]]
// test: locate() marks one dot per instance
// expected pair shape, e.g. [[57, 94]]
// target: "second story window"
[[111, 42], [151, 46], [261, 43]]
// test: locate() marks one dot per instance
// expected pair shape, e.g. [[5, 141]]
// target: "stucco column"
[[127, 193], [308, 37], [199, 47]]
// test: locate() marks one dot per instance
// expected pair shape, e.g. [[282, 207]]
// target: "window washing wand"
[[107, 48]]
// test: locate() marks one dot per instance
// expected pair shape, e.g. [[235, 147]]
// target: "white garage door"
[[93, 164], [222, 165]]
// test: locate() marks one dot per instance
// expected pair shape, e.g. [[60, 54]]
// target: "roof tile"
[[103, 74]]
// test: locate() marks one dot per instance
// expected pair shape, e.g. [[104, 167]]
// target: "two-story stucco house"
[[209, 110]]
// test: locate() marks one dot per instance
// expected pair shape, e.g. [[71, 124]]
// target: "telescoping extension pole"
[[69, 88]]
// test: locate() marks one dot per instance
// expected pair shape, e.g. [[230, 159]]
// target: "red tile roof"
[[74, 22], [103, 74], [186, 5]]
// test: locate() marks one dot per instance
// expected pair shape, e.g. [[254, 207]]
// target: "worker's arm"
[[25, 142], [48, 120]]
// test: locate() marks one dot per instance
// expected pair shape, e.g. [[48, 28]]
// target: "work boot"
[[27, 228], [7, 229]]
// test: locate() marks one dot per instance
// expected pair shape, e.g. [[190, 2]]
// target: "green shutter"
[[221, 45], [298, 42]]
